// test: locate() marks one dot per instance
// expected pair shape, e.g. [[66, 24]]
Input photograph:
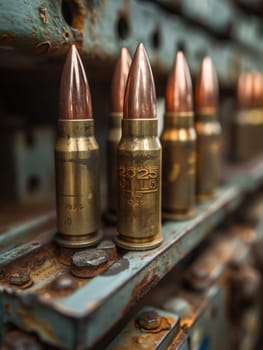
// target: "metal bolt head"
[[20, 278], [109, 247], [88, 263], [149, 320], [64, 283], [89, 258]]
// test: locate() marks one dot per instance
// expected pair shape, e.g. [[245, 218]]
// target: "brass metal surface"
[[247, 134], [179, 160], [247, 127], [77, 184], [113, 139], [208, 132], [139, 167]]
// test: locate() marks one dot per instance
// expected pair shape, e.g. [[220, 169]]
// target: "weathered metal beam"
[[72, 321], [90, 310], [44, 30]]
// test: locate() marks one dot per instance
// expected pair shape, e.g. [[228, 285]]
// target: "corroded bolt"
[[20, 278], [149, 320], [88, 263], [109, 247], [64, 283]]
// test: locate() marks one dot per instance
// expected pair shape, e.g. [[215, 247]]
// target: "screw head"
[[89, 258], [149, 320], [109, 247], [20, 278], [88, 263], [64, 283]]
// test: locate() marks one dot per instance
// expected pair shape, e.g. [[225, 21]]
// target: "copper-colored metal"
[[208, 131], [140, 95], [139, 161], [179, 141], [206, 91], [244, 88], [77, 160], [250, 90], [178, 97], [75, 101], [119, 81], [114, 133], [248, 123]]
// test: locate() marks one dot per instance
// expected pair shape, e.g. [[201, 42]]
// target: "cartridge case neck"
[[253, 116], [206, 117], [175, 120], [139, 127], [115, 120], [75, 128]]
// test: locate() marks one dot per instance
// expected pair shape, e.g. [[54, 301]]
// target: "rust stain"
[[6, 39], [33, 324], [43, 14], [140, 290], [42, 47]]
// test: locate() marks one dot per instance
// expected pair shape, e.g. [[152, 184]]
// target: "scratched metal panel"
[[106, 298]]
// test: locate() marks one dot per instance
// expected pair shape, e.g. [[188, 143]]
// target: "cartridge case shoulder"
[[80, 144]]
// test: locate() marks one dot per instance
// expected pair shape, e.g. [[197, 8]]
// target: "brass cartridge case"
[[139, 176], [77, 183], [178, 141], [113, 139], [247, 134], [208, 132]]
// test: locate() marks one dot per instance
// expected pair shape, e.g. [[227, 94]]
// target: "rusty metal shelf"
[[83, 317], [80, 318]]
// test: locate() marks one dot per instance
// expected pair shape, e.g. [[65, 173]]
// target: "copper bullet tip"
[[244, 88], [75, 100], [140, 95], [250, 90], [178, 97], [119, 81], [206, 90]]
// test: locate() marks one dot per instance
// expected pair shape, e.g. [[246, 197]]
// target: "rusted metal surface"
[[45, 29], [106, 298], [18, 340], [151, 329], [81, 304]]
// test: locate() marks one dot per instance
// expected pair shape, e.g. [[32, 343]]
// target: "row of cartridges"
[[148, 179]]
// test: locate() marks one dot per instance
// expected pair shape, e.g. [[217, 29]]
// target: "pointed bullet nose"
[[119, 81], [75, 100], [257, 98], [140, 95], [206, 90], [179, 98], [250, 90], [244, 88]]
